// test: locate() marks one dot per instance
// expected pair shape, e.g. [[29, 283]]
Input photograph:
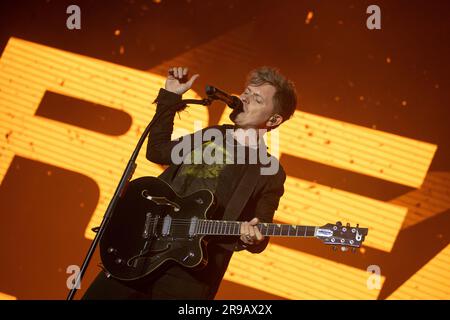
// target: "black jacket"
[[255, 195]]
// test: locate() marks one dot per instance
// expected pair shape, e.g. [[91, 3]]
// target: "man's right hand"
[[177, 82]]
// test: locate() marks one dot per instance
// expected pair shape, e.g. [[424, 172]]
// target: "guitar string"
[[219, 225], [209, 226], [189, 221], [207, 221], [213, 223], [266, 232], [183, 233]]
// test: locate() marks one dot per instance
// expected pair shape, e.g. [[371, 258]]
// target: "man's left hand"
[[250, 233]]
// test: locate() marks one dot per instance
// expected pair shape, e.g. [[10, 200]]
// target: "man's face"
[[258, 107]]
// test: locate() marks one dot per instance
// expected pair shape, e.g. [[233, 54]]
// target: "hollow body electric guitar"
[[152, 225]]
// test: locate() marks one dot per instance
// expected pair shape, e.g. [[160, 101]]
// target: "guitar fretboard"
[[219, 227]]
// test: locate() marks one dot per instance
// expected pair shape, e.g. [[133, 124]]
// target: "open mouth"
[[235, 113]]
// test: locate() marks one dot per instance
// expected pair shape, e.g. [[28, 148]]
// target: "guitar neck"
[[233, 228]]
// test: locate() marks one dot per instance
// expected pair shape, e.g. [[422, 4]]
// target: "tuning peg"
[[339, 224], [334, 248], [348, 225], [344, 248]]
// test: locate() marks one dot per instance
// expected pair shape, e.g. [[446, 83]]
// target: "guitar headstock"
[[344, 236]]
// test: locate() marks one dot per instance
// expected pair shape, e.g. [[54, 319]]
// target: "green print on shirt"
[[202, 169]]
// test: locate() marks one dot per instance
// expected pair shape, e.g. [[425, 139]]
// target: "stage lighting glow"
[[29, 69]]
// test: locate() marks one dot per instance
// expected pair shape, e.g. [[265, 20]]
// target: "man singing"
[[245, 188]]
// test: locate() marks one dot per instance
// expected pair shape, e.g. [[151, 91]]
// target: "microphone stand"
[[126, 177]]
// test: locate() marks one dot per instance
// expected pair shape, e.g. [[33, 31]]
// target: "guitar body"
[[141, 236]]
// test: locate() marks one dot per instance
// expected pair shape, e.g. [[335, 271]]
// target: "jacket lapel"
[[242, 193]]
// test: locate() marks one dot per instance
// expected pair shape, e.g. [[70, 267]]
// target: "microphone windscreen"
[[210, 90]]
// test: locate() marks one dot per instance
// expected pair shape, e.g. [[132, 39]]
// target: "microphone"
[[232, 101]]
